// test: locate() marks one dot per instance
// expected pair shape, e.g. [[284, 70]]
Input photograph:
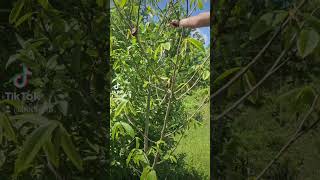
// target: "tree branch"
[[257, 57], [299, 132]]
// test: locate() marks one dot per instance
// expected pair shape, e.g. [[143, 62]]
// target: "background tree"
[[155, 67], [265, 112], [64, 44]]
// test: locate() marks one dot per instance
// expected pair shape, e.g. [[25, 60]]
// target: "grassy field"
[[196, 144]]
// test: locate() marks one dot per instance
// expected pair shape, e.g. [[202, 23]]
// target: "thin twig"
[[130, 121], [147, 123], [171, 94], [201, 65], [272, 70], [234, 105], [206, 100], [256, 58], [299, 132]]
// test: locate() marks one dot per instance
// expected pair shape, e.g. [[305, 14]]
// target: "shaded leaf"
[[15, 12], [44, 3], [2, 159], [259, 29], [7, 127], [32, 146], [307, 42], [314, 22], [23, 19], [52, 153], [250, 81], [69, 148], [225, 75]]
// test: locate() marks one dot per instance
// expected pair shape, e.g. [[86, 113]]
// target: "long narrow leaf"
[[32, 146], [69, 148]]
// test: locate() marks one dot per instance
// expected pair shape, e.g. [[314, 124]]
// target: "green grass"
[[196, 143]]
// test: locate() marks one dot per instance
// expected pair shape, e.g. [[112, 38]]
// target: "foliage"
[[155, 67], [65, 48], [277, 43]]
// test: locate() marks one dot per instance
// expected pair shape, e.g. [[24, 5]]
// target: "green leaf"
[[52, 152], [196, 43], [266, 22], [314, 22], [44, 3], [225, 75], [259, 29], [234, 88], [250, 81], [279, 17], [15, 12], [32, 146], [267, 18], [298, 99], [63, 106], [200, 4], [288, 34], [14, 103], [307, 42], [130, 156], [11, 60], [23, 19], [52, 62], [166, 46], [7, 127], [132, 110], [69, 148], [305, 96], [137, 142], [128, 129], [30, 118], [148, 174], [100, 3], [121, 3], [2, 159], [206, 75], [121, 128], [21, 41], [120, 108]]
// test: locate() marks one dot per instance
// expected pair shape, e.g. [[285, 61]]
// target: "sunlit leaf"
[[148, 174], [200, 4], [206, 75], [120, 108], [196, 43]]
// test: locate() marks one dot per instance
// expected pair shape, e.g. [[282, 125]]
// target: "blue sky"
[[204, 31]]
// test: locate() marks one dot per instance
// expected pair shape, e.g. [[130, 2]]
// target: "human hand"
[[174, 23]]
